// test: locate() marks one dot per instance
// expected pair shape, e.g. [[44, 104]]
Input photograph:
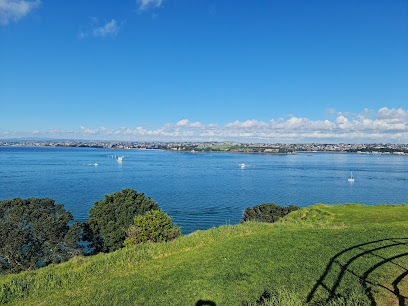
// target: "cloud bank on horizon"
[[386, 125]]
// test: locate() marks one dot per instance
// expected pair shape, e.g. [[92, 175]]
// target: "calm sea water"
[[201, 190]]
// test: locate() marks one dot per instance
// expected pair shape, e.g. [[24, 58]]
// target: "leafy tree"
[[154, 226], [34, 232], [110, 218], [268, 212]]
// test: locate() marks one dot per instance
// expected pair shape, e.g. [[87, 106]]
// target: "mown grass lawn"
[[320, 254]]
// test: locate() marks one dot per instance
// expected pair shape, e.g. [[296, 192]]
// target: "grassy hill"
[[338, 255]]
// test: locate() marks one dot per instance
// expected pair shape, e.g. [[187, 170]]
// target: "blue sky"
[[261, 71]]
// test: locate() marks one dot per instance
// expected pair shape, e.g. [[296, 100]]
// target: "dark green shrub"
[[268, 212], [154, 226], [110, 218]]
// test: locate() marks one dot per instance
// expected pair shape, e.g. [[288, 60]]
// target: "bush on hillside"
[[268, 212], [154, 226], [34, 232], [110, 218]]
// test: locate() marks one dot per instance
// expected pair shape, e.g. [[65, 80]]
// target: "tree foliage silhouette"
[[34, 232], [111, 217]]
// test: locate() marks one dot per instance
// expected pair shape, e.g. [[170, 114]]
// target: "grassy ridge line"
[[228, 265], [349, 214]]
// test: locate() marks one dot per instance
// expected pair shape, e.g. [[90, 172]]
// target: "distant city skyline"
[[166, 70]]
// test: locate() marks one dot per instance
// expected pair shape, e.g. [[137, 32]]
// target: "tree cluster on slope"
[[36, 232], [111, 217]]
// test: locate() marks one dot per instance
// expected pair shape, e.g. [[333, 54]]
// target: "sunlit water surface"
[[201, 190]]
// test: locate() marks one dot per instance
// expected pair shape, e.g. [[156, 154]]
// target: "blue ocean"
[[201, 190]]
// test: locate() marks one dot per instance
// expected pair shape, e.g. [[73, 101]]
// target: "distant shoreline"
[[220, 147], [195, 152]]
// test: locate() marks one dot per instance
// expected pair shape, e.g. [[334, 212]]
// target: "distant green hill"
[[328, 254]]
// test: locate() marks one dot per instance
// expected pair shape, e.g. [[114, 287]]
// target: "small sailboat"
[[95, 164], [242, 165], [351, 178], [119, 159]]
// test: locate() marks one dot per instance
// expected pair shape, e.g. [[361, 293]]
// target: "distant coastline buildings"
[[227, 146]]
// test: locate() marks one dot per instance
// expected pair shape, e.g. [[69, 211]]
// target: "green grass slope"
[[324, 254]]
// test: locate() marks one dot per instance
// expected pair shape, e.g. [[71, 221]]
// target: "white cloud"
[[342, 122], [366, 113], [110, 28], [56, 132], [88, 131], [144, 4], [330, 111], [212, 126], [196, 124], [14, 10], [249, 124], [386, 113], [182, 122], [295, 123]]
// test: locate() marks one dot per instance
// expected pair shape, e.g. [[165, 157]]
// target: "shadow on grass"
[[202, 303], [367, 249]]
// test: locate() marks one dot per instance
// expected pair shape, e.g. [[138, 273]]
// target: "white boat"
[[242, 165], [351, 178], [119, 159]]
